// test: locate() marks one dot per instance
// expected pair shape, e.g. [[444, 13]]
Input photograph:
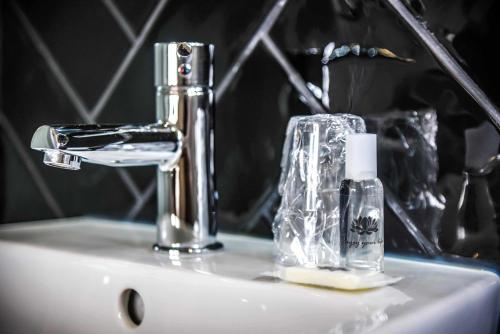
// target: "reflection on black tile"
[[467, 29], [352, 79], [360, 85], [84, 39]]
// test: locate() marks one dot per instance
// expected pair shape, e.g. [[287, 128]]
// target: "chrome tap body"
[[180, 143]]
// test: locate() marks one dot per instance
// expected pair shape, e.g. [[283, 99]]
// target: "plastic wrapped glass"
[[408, 166], [306, 227]]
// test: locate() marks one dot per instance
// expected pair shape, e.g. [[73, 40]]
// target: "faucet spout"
[[180, 144], [111, 145]]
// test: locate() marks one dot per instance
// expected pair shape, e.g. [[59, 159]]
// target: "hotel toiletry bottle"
[[362, 206]]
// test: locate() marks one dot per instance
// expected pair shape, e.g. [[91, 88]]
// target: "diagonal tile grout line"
[[110, 88], [144, 198], [129, 182], [33, 171], [68, 88], [120, 19], [52, 63], [293, 76], [263, 29]]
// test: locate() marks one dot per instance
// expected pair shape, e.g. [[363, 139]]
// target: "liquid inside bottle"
[[362, 224]]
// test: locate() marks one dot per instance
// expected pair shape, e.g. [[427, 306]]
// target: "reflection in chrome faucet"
[[180, 144], [66, 146]]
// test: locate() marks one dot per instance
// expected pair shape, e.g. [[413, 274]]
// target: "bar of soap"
[[335, 278]]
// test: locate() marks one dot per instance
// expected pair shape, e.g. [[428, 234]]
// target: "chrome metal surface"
[[58, 159], [186, 193], [183, 64], [111, 145], [181, 144]]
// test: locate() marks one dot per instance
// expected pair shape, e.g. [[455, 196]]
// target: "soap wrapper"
[[336, 278]]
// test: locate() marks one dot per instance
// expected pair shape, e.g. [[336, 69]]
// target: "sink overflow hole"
[[132, 306]]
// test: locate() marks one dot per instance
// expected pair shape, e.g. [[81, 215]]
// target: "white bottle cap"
[[361, 156]]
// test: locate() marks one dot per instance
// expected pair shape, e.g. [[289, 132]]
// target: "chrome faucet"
[[180, 143]]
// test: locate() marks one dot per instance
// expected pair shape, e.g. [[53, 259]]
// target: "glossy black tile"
[[84, 39], [250, 127], [21, 200], [34, 97], [136, 13]]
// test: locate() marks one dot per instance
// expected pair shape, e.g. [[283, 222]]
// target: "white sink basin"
[[69, 276]]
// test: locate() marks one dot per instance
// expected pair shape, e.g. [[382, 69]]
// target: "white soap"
[[338, 279]]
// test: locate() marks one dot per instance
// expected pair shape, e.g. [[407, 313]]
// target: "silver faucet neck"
[[186, 193]]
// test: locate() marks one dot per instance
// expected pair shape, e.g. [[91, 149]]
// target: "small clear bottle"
[[362, 206]]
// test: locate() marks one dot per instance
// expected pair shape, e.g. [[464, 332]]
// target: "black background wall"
[[91, 61]]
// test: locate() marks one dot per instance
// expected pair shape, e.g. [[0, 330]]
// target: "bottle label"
[[364, 226]]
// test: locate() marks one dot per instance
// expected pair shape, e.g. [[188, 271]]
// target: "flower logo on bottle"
[[364, 225]]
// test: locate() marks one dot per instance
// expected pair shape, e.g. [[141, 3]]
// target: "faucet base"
[[189, 250]]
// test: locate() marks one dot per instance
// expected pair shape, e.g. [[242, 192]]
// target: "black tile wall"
[[135, 13], [81, 35], [91, 61], [33, 98]]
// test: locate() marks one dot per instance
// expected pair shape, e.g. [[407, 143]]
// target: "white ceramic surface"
[[67, 277]]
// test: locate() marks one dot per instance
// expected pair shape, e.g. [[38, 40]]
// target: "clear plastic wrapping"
[[306, 228], [408, 166]]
